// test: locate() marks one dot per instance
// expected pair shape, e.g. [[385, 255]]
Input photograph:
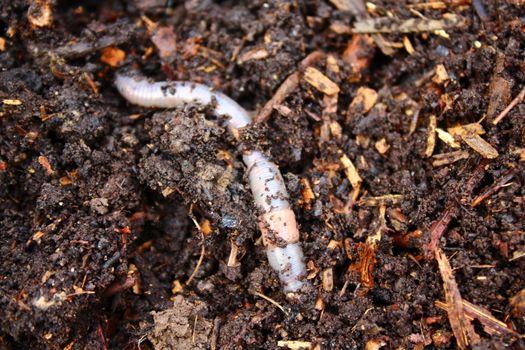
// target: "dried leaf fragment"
[[320, 81], [363, 102], [112, 56], [2, 44]]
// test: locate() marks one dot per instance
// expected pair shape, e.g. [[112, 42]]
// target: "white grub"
[[277, 221]]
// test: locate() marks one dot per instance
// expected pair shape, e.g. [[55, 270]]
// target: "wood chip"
[[112, 56], [350, 171], [449, 158], [431, 138], [447, 138], [479, 145], [469, 133], [358, 55], [232, 259], [320, 81], [295, 344], [11, 102], [253, 55], [2, 44], [380, 200], [382, 146], [408, 45], [441, 75], [412, 25], [364, 100], [327, 276], [461, 326], [473, 128]]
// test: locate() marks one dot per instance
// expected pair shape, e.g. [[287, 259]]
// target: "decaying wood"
[[491, 325], [412, 25], [461, 326], [449, 158]]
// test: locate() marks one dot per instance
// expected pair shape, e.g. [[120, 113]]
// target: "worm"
[[276, 221]]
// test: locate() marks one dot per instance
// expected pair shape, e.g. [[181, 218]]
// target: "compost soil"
[[117, 223]]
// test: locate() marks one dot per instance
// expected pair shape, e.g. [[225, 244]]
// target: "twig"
[[511, 105], [203, 250], [286, 88], [495, 187], [270, 300]]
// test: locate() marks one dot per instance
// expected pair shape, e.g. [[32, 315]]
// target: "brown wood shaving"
[[295, 344], [254, 54], [350, 171], [320, 81], [479, 145], [449, 158], [441, 75], [469, 133], [431, 138], [380, 200], [461, 326], [364, 100], [412, 25], [447, 138], [327, 277]]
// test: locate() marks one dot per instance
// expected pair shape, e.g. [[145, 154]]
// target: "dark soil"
[[98, 198]]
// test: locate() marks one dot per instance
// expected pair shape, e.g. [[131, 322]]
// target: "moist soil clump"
[[397, 126]]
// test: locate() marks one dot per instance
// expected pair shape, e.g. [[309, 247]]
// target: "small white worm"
[[277, 222]]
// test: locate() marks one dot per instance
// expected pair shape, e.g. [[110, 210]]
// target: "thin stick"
[[511, 105], [270, 300], [286, 88], [202, 249]]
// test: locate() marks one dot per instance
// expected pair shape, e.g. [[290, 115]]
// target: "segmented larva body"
[[277, 220]]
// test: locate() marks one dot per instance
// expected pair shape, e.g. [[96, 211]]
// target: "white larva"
[[277, 220]]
